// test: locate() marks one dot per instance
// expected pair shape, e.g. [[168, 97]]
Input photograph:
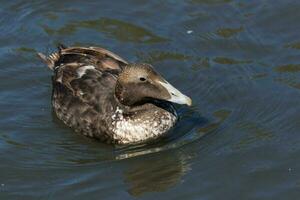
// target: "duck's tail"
[[52, 58]]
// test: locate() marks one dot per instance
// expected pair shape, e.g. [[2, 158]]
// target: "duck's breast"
[[141, 126]]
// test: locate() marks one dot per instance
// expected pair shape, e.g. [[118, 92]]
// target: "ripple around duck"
[[85, 151], [92, 152], [195, 127]]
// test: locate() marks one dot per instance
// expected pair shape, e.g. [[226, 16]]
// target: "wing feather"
[[101, 58]]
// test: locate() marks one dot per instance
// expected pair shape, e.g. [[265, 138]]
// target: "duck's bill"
[[176, 95]]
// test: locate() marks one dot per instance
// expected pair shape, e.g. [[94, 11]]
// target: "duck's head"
[[139, 83]]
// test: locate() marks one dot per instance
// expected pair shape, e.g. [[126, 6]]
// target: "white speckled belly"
[[127, 130]]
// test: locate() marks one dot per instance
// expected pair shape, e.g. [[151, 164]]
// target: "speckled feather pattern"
[[141, 127]]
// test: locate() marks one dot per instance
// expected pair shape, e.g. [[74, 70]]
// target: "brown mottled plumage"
[[99, 94]]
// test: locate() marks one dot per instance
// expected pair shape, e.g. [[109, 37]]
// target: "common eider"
[[99, 94]]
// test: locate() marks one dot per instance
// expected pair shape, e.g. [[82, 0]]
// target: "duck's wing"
[[91, 85], [98, 57]]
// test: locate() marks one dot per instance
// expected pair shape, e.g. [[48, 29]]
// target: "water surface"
[[238, 60]]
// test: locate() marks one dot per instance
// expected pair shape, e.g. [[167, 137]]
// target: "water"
[[238, 60]]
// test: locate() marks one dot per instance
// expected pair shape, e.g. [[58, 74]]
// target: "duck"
[[97, 93]]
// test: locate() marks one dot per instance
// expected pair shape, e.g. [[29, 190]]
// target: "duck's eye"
[[142, 79]]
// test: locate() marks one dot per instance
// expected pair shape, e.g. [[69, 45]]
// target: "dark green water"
[[238, 60]]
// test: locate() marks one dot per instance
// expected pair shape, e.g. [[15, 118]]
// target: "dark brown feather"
[[96, 56]]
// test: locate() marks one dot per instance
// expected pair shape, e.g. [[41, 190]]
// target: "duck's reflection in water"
[[161, 167], [156, 173]]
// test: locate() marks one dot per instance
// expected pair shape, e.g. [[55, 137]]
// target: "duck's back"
[[82, 103], [83, 88]]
